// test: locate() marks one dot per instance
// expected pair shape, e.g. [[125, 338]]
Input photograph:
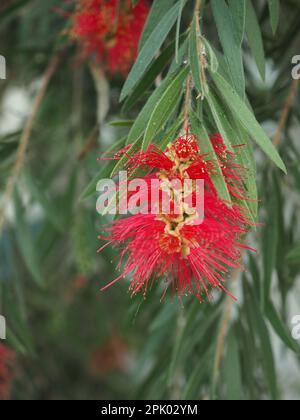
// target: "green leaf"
[[255, 39], [16, 342], [280, 329], [232, 370], [294, 255], [212, 58], [247, 120], [203, 367], [262, 332], [18, 332], [219, 118], [245, 157], [9, 11], [40, 195], [122, 123], [270, 243], [152, 45], [195, 57], [207, 149], [182, 57], [171, 134], [181, 333], [142, 119], [104, 172], [238, 12], [156, 68], [229, 38], [26, 243], [274, 6], [158, 11], [165, 107], [182, 4]]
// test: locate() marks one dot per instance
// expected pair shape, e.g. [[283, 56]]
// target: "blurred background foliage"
[[70, 340]]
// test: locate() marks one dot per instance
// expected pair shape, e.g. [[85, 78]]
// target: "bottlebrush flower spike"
[[110, 29], [192, 257]]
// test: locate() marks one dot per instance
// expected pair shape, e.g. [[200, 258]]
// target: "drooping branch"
[[25, 137], [286, 111], [228, 304]]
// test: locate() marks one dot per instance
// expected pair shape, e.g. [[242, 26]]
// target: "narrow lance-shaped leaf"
[[229, 39], [274, 6], [51, 212], [245, 157], [158, 10], [238, 12], [270, 243], [232, 370], [164, 107], [207, 149], [27, 246], [255, 39], [281, 330], [263, 334], [293, 256], [152, 45], [219, 116], [247, 120], [104, 172], [212, 58], [156, 68], [142, 119], [182, 4], [195, 57]]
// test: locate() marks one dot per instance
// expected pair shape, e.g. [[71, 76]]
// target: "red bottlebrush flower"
[[7, 357], [110, 29], [193, 257]]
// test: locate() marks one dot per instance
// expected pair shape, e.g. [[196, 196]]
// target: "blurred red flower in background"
[[112, 355], [110, 29], [7, 357], [193, 257]]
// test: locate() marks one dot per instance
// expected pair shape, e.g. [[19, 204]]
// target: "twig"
[[189, 79], [228, 305], [198, 7], [24, 141], [286, 111]]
